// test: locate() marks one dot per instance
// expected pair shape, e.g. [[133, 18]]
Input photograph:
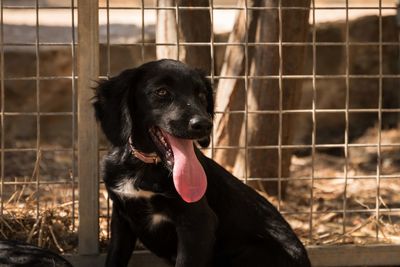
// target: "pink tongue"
[[189, 177]]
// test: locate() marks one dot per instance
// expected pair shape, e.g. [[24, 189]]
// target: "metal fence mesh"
[[345, 169], [38, 168]]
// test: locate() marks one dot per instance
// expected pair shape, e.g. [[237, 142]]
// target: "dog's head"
[[164, 94], [163, 105]]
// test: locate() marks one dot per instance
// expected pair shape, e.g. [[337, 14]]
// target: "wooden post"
[[88, 71], [230, 93], [267, 94], [195, 26], [166, 30], [262, 94], [186, 25]]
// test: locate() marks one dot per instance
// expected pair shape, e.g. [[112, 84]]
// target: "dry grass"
[[49, 227]]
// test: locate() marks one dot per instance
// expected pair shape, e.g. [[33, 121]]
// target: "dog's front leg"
[[196, 225], [122, 241]]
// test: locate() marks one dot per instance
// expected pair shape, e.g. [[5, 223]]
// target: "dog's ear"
[[205, 142], [111, 106]]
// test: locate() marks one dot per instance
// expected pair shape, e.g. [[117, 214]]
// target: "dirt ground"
[[335, 189]]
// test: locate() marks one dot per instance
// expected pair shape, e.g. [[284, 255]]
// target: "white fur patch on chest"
[[157, 219], [125, 188]]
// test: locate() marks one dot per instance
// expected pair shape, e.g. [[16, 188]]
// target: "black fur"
[[231, 225], [14, 253]]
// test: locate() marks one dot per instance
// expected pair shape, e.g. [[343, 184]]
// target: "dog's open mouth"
[[189, 177], [163, 146]]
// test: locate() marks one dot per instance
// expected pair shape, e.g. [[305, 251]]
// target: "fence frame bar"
[[320, 256], [88, 162], [354, 255]]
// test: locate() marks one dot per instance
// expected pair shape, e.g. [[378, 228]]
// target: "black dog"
[[181, 205], [15, 253]]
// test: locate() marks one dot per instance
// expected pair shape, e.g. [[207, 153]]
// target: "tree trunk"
[[189, 26], [230, 93], [264, 94]]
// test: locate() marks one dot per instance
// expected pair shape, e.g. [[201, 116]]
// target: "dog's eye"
[[162, 92], [203, 97]]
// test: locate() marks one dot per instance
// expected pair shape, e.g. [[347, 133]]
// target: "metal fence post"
[[88, 71]]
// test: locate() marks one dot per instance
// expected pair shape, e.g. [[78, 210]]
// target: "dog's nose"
[[200, 124]]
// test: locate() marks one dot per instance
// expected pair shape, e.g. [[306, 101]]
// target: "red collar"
[[149, 158]]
